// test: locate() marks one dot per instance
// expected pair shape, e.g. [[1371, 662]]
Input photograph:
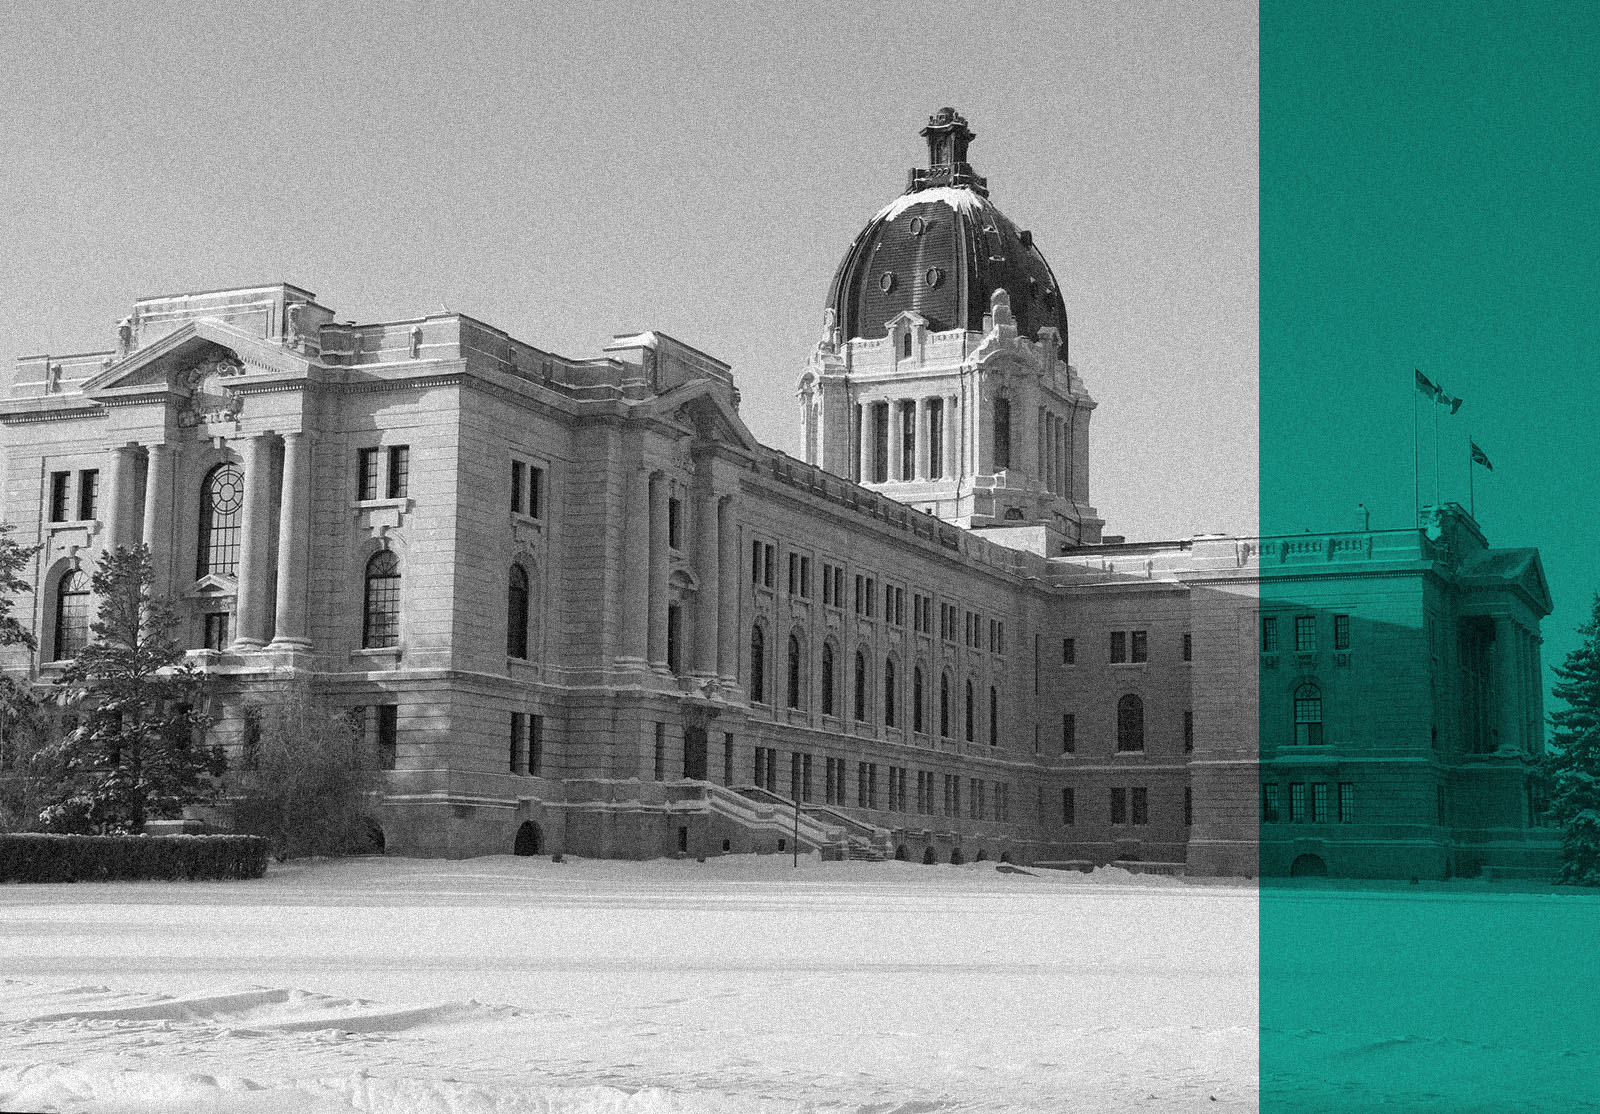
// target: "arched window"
[[905, 344], [221, 501], [1307, 716], [794, 671], [1130, 723], [944, 706], [969, 712], [517, 614], [889, 694], [72, 615], [861, 686], [994, 716], [380, 617], [1002, 434], [828, 707], [916, 698], [758, 666]]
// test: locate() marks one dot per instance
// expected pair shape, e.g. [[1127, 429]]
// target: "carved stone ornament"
[[208, 398]]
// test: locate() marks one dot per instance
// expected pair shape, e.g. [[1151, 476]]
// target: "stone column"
[[254, 543], [894, 441], [158, 516], [636, 574], [952, 438], [1507, 715], [728, 591], [923, 436], [121, 513], [864, 444], [707, 559], [1042, 427], [292, 632], [658, 571]]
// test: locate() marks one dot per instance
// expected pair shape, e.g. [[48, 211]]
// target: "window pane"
[[381, 612], [366, 474], [72, 616], [221, 503], [399, 471]]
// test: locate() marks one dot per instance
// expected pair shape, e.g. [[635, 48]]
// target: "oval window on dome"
[[886, 281], [934, 276], [918, 226]]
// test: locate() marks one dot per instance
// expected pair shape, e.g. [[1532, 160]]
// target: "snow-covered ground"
[[741, 984]]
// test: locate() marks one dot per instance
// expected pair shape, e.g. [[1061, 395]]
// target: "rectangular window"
[[1188, 806], [1069, 732], [1341, 632], [759, 768], [674, 523], [861, 603], [1119, 647], [1119, 806], [1188, 646], [1305, 634], [1069, 651], [805, 578], [514, 755], [1297, 802], [861, 785], [536, 745], [399, 471], [216, 630], [661, 754], [1141, 805], [60, 486], [727, 758], [88, 493], [1319, 802], [1269, 634], [755, 562], [872, 595], [794, 574], [827, 584], [1347, 802], [1269, 802], [1069, 807], [535, 492], [1439, 799], [388, 716], [519, 486], [795, 765], [1188, 731], [805, 778], [1141, 646]]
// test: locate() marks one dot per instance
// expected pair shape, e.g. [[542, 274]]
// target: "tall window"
[[861, 687], [1119, 806], [380, 626], [944, 706], [1341, 632], [88, 492], [517, 614], [674, 638], [994, 716], [828, 707], [60, 487], [399, 471], [1130, 723], [221, 500], [889, 694], [916, 699], [758, 666], [1119, 647], [216, 630], [1305, 634], [1069, 732], [1307, 716], [794, 671], [970, 732], [1002, 434], [72, 615], [1269, 634]]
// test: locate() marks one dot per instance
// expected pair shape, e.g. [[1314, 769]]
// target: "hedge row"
[[88, 858]]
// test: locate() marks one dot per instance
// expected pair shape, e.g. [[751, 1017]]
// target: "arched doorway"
[[956, 858], [1308, 866], [929, 858], [530, 840], [900, 855]]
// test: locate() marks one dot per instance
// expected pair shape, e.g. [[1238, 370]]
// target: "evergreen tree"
[[137, 752], [1573, 764], [13, 558]]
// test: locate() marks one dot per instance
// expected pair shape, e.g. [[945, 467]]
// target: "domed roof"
[[942, 249]]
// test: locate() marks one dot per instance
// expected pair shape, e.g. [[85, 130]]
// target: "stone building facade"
[[576, 606]]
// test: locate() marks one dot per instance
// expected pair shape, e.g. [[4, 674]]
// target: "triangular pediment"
[[702, 405], [166, 364]]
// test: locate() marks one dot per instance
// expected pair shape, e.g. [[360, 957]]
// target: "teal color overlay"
[[1430, 199]]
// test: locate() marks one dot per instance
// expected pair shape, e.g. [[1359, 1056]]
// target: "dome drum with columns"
[[942, 375]]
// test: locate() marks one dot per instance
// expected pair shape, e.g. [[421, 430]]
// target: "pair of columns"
[[713, 549], [1517, 674], [932, 431], [1055, 452], [286, 625]]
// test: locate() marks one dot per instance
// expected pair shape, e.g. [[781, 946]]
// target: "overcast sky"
[[571, 171]]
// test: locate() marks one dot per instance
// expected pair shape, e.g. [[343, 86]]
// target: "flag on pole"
[[1479, 456], [1437, 393]]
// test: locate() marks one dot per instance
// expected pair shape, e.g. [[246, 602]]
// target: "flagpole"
[[1416, 462], [1436, 460]]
